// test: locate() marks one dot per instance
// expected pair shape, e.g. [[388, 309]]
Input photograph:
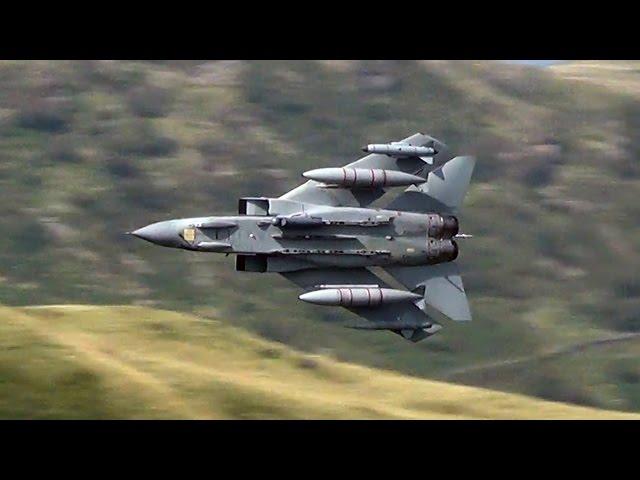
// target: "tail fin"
[[443, 288], [443, 191]]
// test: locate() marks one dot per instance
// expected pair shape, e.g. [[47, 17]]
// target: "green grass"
[[74, 361]]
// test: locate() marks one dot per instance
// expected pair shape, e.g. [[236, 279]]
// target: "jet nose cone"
[[160, 233], [145, 233]]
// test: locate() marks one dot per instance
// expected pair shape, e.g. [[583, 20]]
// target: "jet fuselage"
[[340, 237], [324, 234]]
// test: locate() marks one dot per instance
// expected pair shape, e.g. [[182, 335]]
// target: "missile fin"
[[406, 333]]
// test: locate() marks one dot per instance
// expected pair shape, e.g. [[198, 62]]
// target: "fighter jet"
[[392, 265]]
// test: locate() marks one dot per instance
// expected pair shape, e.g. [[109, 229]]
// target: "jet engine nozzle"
[[442, 226], [439, 251]]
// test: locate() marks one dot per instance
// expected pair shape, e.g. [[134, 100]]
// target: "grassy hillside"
[[89, 150], [618, 76], [76, 361]]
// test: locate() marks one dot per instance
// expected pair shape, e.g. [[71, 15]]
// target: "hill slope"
[[618, 76], [75, 361], [89, 150]]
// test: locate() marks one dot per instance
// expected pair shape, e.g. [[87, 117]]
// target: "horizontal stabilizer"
[[444, 190], [443, 288]]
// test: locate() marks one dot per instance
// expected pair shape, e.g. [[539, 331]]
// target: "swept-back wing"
[[316, 193], [405, 318]]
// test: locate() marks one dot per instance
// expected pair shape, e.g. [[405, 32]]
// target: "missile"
[[358, 296], [216, 224], [401, 150], [362, 177], [391, 325], [305, 236], [411, 331], [212, 246], [297, 221]]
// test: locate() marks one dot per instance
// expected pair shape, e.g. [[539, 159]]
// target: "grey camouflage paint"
[[328, 238]]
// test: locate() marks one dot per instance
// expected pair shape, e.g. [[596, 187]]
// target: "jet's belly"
[[374, 240], [346, 239], [253, 236]]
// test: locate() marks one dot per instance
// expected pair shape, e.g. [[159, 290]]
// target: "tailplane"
[[442, 286], [444, 190]]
